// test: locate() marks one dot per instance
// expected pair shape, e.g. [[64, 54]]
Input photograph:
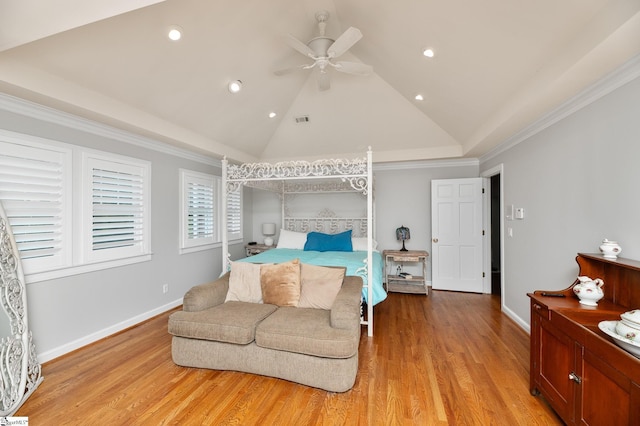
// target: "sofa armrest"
[[205, 296], [345, 312]]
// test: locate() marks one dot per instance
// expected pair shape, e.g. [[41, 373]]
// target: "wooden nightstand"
[[413, 284], [256, 249]]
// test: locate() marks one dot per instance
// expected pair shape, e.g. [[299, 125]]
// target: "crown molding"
[[617, 78], [426, 164], [40, 112]]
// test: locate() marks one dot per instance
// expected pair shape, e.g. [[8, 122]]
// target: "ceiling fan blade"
[[323, 81], [354, 68], [344, 42], [299, 46], [289, 70]]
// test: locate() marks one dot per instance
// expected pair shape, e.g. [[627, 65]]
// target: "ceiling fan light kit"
[[323, 50]]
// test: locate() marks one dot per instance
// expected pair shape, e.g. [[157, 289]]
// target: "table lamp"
[[403, 234], [268, 230]]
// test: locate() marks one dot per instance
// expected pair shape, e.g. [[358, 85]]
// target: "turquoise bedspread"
[[351, 260]]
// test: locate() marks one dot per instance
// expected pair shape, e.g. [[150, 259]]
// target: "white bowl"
[[628, 331], [609, 328], [631, 317]]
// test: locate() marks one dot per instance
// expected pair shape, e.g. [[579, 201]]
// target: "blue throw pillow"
[[317, 241]]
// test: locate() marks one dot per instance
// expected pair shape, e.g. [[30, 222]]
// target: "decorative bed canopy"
[[304, 177]]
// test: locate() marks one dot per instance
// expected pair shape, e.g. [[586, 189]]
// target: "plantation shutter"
[[234, 214], [198, 213], [33, 193], [200, 208], [117, 203]]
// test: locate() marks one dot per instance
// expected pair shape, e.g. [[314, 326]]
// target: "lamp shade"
[[268, 229], [403, 234]]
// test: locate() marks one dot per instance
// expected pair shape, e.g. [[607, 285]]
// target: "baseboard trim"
[[106, 332], [523, 324]]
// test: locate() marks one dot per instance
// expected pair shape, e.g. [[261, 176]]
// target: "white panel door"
[[456, 231]]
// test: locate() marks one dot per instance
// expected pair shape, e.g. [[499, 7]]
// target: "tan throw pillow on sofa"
[[281, 283], [244, 283], [319, 285]]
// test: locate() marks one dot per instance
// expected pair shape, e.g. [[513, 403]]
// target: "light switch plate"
[[509, 212], [520, 213]]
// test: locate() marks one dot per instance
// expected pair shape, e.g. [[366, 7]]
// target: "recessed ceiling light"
[[419, 97], [429, 53], [272, 114], [235, 86], [175, 33]]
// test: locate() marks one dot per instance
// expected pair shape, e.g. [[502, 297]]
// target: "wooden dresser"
[[579, 370]]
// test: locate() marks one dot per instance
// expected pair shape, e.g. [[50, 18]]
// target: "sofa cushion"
[[281, 283], [306, 331], [244, 283], [319, 285], [231, 322]]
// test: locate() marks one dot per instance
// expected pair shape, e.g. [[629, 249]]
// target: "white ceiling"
[[499, 66]]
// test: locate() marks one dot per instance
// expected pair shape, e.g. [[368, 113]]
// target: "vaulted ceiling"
[[499, 65]]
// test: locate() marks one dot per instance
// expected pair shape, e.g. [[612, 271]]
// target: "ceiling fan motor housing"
[[320, 45]]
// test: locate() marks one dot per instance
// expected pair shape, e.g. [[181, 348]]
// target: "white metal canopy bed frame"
[[318, 176]]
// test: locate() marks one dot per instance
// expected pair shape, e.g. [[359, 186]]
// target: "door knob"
[[435, 240]]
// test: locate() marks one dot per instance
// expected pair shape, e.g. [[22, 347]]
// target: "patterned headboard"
[[327, 222]]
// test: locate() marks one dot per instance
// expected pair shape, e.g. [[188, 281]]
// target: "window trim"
[[120, 164], [186, 244], [190, 246], [73, 231], [46, 147]]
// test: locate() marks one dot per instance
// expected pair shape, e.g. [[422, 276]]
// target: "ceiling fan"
[[323, 50]]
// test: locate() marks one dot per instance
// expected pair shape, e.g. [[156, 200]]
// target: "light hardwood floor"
[[450, 358]]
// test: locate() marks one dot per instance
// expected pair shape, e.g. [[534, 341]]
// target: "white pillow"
[[360, 244], [244, 283], [292, 240]]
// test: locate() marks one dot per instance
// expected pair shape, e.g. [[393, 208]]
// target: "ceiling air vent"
[[302, 119]]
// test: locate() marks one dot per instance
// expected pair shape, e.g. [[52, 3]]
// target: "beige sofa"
[[314, 347]]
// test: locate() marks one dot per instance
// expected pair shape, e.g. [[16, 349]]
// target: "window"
[[234, 215], [115, 207], [201, 212], [73, 210], [35, 193], [198, 219]]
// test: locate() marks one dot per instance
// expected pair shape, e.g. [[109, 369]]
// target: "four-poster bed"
[[296, 177]]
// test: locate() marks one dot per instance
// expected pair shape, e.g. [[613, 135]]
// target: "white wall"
[[70, 312], [579, 182]]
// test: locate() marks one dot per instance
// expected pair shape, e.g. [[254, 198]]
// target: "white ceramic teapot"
[[589, 291]]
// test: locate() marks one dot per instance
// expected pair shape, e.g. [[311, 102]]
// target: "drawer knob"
[[573, 376]]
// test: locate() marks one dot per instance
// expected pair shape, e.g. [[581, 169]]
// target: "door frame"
[[486, 175]]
